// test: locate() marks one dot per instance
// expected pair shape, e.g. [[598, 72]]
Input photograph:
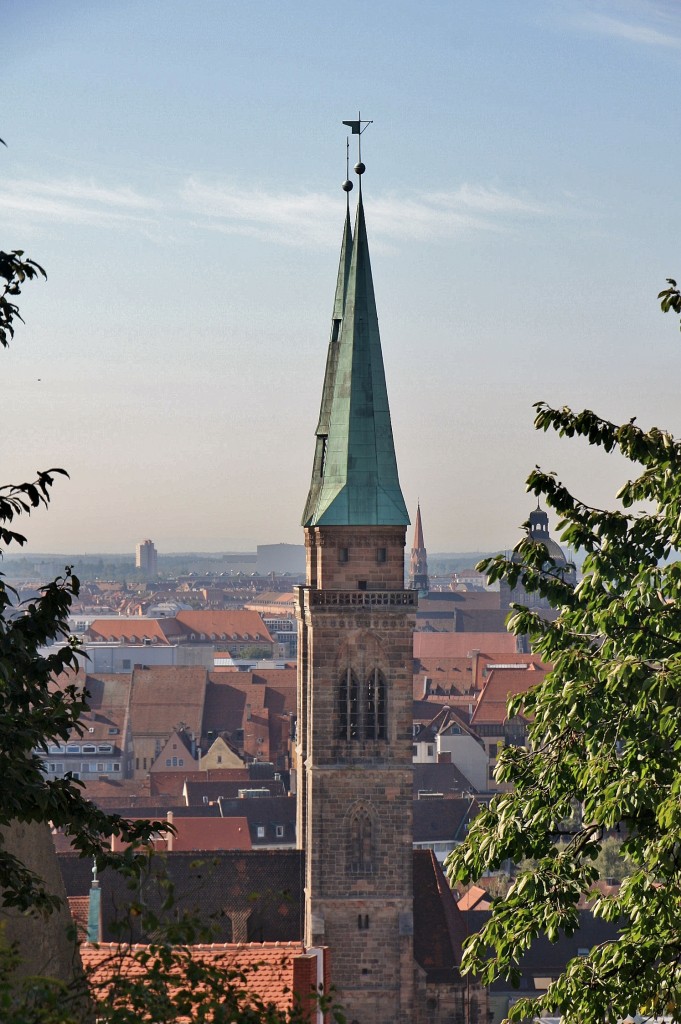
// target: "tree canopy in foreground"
[[604, 732]]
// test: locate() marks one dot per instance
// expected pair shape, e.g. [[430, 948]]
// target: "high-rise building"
[[418, 563], [146, 558], [355, 623]]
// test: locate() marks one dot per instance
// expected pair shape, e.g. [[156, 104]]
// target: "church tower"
[[418, 563], [355, 623]]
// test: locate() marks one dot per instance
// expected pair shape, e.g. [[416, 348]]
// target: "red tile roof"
[[172, 783], [134, 630], [79, 907], [459, 645], [475, 898], [242, 625], [194, 834], [500, 685], [275, 972], [164, 697], [443, 673]]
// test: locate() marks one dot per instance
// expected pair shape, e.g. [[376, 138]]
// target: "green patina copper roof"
[[330, 374], [354, 478]]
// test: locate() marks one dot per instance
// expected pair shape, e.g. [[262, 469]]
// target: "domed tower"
[[355, 624], [538, 530]]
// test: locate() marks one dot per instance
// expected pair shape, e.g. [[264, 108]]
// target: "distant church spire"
[[354, 477], [418, 565]]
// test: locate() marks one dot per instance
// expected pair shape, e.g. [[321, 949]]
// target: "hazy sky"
[[176, 167]]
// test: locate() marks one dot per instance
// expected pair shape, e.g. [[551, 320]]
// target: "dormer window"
[[322, 463]]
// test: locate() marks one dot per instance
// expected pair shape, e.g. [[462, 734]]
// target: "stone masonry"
[[355, 765]]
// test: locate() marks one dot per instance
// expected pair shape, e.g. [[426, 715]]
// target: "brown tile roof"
[[244, 624], [164, 697], [270, 968], [172, 783], [475, 898], [79, 906], [109, 697], [201, 834], [442, 673], [459, 645], [227, 696], [134, 630], [439, 927], [500, 685]]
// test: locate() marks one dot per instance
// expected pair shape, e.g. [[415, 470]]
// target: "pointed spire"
[[322, 431], [418, 529], [355, 480], [418, 563]]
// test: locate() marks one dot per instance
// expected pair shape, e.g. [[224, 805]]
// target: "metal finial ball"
[[347, 186], [360, 168]]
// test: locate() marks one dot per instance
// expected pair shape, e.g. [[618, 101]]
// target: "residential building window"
[[137, 763], [168, 762], [279, 831], [260, 831], [431, 750], [493, 749]]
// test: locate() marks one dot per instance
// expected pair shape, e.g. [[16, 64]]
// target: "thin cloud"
[[312, 218], [75, 202], [642, 23], [307, 219]]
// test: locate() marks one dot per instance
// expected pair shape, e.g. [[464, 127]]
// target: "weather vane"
[[356, 129]]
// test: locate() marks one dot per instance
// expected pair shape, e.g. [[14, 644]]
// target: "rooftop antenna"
[[357, 129]]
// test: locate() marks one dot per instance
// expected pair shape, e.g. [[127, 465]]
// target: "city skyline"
[[179, 178]]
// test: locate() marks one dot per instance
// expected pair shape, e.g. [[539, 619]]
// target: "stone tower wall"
[[355, 792]]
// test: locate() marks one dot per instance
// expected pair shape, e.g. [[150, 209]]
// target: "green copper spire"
[[330, 374], [354, 478]]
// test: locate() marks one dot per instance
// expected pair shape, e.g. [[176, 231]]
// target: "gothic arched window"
[[375, 717], [349, 706], [362, 706], [361, 841]]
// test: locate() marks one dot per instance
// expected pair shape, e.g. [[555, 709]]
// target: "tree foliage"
[[605, 730]]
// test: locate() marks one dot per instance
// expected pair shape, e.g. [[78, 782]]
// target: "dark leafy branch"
[[604, 731]]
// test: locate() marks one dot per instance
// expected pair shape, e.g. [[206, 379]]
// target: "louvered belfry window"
[[362, 706]]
